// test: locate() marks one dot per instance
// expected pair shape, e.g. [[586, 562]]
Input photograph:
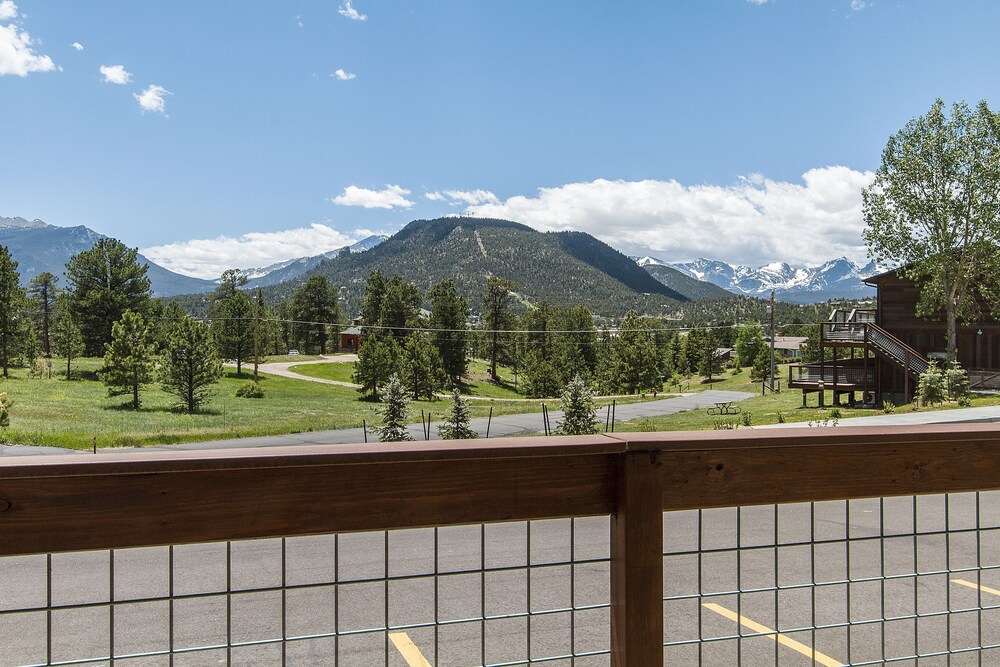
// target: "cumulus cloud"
[[17, 57], [858, 5], [350, 12], [208, 258], [77, 45], [152, 99], [392, 196], [435, 196], [343, 76], [115, 74], [8, 10], [757, 2], [754, 221]]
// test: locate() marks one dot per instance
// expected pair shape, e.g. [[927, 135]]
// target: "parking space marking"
[[977, 587], [411, 654], [817, 657]]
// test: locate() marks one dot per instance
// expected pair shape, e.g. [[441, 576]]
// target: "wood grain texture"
[[637, 563]]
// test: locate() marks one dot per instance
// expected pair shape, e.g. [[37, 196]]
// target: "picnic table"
[[724, 408]]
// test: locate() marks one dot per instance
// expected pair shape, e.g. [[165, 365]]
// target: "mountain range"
[[835, 279], [293, 268]]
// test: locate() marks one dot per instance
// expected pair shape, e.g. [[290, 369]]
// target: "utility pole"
[[770, 309], [256, 336]]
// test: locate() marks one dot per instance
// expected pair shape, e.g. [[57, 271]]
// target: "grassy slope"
[[72, 413]]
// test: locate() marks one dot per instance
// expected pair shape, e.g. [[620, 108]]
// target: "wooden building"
[[878, 355]]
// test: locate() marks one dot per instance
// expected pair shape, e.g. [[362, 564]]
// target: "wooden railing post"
[[637, 563]]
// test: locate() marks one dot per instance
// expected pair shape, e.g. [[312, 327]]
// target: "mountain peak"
[[21, 223]]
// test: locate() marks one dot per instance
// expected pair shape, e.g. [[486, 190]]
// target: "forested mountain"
[[293, 268], [564, 268]]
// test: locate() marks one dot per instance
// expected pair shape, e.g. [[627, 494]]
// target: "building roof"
[[352, 331], [789, 342]]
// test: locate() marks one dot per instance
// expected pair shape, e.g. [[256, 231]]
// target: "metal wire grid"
[[912, 581], [497, 595]]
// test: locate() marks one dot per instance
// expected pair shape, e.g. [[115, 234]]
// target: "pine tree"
[[190, 365], [393, 411], [709, 363], [11, 303], [129, 358], [579, 411], [42, 290], [67, 339], [456, 424], [233, 329], [104, 282], [449, 313], [376, 362], [496, 317], [315, 305], [423, 371], [5, 405]]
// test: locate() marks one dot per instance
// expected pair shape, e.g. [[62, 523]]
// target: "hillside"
[[565, 268], [38, 247]]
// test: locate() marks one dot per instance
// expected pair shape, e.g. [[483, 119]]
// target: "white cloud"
[[16, 54], [8, 10], [757, 2], [466, 197], [208, 258], [392, 196], [435, 196], [152, 99], [350, 12], [754, 221], [858, 5], [343, 76], [77, 45], [115, 74]]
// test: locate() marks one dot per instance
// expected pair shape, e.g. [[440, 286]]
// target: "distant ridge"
[[38, 247]]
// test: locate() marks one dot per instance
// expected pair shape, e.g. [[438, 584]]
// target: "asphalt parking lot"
[[870, 582]]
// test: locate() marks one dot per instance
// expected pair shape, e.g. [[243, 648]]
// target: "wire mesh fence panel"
[[885, 581], [487, 594]]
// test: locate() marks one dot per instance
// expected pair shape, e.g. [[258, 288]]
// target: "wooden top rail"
[[129, 499]]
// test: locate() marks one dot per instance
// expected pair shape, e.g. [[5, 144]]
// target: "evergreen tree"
[[423, 372], [761, 365], [129, 358], [933, 388], [635, 357], [539, 377], [456, 424], [449, 313], [371, 302], [167, 319], [315, 305], [42, 290], [104, 282], [496, 316], [190, 365], [12, 300], [232, 326], [579, 411], [393, 411], [709, 363], [400, 308], [376, 362], [67, 339], [749, 340]]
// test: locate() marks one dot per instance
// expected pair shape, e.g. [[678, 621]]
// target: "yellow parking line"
[[819, 658], [411, 654], [969, 584]]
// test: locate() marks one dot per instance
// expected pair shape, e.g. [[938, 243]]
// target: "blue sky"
[[212, 134]]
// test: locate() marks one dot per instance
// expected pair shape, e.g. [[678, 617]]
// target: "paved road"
[[775, 553], [510, 425]]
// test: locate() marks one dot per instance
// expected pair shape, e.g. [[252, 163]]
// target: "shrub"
[[250, 389], [725, 424], [747, 418], [957, 381], [5, 405], [781, 417], [835, 413], [932, 388], [888, 408]]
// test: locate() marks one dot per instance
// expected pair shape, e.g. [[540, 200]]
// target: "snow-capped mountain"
[[292, 268], [835, 279]]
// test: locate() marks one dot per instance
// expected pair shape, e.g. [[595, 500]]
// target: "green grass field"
[[763, 409], [73, 413]]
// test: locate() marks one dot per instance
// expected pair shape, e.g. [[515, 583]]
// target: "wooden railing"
[[55, 504], [830, 376]]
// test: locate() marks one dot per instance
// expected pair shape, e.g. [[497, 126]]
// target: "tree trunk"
[[135, 395], [952, 336]]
